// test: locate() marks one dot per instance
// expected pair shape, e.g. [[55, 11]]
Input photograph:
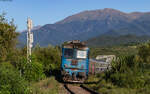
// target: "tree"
[[49, 57], [144, 53], [8, 38]]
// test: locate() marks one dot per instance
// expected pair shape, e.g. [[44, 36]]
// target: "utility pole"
[[29, 39]]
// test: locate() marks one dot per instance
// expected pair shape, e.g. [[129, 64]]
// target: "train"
[[74, 61]]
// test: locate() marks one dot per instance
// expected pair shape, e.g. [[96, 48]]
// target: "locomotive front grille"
[[74, 62]]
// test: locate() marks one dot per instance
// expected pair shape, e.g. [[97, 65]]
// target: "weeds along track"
[[78, 89]]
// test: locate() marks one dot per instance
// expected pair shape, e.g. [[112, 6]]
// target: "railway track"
[[78, 89]]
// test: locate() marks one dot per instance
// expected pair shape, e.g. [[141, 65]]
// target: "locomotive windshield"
[[68, 53], [81, 54], [72, 53]]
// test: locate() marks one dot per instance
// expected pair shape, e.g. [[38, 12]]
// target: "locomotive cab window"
[[68, 53], [81, 54]]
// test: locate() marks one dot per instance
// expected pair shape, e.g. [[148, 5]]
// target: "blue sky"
[[50, 11]]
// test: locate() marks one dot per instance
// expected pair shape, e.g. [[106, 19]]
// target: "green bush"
[[31, 71], [144, 53], [10, 80], [126, 72], [49, 57]]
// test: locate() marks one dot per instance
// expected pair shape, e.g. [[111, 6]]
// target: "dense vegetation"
[[116, 40], [129, 74], [16, 75], [113, 50]]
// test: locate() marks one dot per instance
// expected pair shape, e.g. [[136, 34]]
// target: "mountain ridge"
[[90, 24]]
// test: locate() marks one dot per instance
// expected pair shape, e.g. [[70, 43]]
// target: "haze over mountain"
[[109, 40], [90, 24]]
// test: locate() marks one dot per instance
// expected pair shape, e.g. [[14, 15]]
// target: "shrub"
[[10, 80], [126, 73], [32, 71], [49, 57], [144, 53]]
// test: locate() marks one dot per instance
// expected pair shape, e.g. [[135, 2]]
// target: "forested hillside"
[[113, 40]]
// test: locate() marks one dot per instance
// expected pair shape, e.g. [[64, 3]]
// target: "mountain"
[[111, 40], [89, 24]]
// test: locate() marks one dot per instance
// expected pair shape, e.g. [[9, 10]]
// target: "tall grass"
[[47, 86]]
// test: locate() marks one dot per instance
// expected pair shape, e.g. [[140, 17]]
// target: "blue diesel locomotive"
[[74, 61]]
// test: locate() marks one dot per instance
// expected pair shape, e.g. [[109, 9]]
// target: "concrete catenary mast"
[[29, 39]]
